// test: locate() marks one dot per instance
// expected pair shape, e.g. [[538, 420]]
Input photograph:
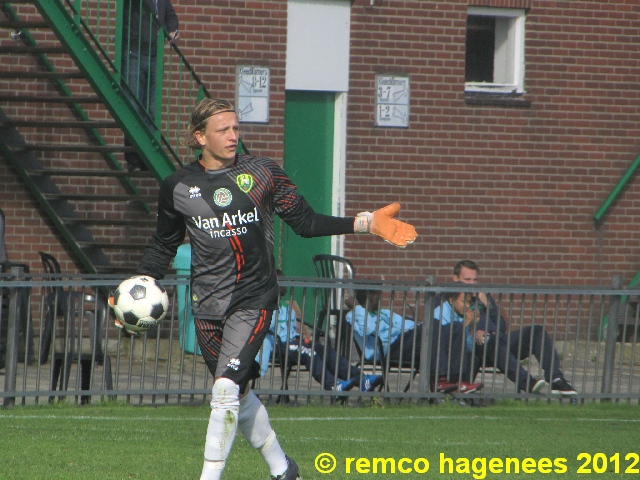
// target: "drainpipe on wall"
[[616, 191], [598, 217]]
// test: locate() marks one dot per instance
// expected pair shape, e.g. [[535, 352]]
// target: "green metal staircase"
[[63, 117]]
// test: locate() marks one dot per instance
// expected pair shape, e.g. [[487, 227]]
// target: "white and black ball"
[[140, 302]]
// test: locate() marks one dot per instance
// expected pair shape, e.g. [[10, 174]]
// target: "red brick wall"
[[218, 36], [513, 188]]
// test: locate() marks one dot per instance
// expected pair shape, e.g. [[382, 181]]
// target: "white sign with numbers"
[[252, 90], [392, 101]]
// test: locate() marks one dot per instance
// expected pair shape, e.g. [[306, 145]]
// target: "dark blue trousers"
[[324, 358], [449, 357], [505, 352]]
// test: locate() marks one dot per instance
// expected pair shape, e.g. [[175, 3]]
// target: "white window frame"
[[508, 54]]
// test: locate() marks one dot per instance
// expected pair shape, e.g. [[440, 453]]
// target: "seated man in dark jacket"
[[453, 320], [497, 347]]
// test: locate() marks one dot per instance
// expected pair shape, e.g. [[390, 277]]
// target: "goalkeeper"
[[227, 202]]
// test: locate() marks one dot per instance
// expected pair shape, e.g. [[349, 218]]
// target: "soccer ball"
[[140, 303]]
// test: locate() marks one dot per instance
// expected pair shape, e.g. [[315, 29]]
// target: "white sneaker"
[[561, 387], [537, 386]]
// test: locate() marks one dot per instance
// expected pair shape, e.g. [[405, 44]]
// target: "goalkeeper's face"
[[219, 139]]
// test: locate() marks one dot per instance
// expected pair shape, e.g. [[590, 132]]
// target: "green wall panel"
[[308, 160]]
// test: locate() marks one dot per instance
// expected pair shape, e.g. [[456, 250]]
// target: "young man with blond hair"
[[227, 203]]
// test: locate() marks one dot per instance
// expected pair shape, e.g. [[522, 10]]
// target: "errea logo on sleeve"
[[194, 192]]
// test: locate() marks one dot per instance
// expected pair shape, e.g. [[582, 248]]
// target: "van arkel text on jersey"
[[229, 223]]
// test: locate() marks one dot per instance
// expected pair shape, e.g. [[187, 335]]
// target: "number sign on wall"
[[392, 101], [252, 90]]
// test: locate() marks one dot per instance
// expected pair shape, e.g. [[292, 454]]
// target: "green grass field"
[[140, 442]]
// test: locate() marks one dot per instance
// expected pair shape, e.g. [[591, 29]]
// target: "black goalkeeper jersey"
[[229, 214]]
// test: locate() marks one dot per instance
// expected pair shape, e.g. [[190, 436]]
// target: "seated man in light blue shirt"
[[339, 374], [372, 324], [398, 337]]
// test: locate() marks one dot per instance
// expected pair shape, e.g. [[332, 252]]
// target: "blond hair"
[[199, 116]]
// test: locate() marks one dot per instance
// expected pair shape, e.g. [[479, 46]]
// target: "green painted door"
[[308, 160]]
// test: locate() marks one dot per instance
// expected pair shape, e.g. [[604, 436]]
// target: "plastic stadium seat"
[[72, 306]]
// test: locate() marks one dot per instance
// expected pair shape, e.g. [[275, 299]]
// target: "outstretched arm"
[[296, 211]]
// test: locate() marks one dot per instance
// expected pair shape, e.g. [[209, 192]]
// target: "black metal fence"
[[58, 340]]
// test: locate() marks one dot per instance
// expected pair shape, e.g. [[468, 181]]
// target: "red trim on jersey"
[[262, 318], [216, 334], [258, 190], [236, 246]]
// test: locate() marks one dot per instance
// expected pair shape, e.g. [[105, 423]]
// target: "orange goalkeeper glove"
[[121, 325], [382, 223]]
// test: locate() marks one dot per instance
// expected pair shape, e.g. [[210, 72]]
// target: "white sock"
[[221, 431], [212, 470], [274, 456], [253, 423]]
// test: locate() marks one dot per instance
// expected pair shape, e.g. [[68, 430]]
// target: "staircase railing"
[[178, 87], [89, 52]]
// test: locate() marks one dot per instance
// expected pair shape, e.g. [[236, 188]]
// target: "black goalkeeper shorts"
[[229, 347]]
